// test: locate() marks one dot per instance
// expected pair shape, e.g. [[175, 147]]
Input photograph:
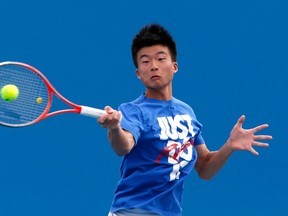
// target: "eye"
[[161, 57], [145, 61]]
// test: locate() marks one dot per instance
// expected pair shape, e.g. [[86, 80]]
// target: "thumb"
[[241, 120], [108, 109]]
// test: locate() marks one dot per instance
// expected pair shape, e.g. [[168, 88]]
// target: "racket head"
[[35, 95]]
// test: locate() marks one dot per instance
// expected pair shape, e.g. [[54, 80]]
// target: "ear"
[[138, 74], [175, 65]]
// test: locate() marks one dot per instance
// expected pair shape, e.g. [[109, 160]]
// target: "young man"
[[160, 136]]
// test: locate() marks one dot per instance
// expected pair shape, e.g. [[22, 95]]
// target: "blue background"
[[232, 61]]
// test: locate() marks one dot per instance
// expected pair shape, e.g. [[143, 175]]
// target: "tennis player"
[[160, 136]]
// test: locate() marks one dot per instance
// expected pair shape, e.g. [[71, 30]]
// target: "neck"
[[167, 95]]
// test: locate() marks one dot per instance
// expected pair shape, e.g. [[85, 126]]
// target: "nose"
[[154, 66]]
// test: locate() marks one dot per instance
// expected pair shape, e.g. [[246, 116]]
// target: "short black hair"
[[150, 35]]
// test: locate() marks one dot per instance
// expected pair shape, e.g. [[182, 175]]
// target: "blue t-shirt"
[[152, 174]]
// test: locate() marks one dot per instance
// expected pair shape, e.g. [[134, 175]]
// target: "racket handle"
[[92, 112]]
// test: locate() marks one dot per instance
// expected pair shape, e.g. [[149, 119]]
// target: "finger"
[[120, 115], [260, 144], [102, 118], [108, 109], [114, 115], [113, 119], [112, 124], [252, 150], [262, 137], [260, 127]]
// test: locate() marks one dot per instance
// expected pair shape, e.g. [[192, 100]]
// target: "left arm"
[[210, 162]]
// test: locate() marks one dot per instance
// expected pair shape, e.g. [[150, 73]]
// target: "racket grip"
[[92, 112]]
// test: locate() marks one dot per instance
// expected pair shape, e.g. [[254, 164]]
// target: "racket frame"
[[83, 110]]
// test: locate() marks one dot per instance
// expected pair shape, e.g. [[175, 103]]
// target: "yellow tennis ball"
[[9, 92], [39, 100]]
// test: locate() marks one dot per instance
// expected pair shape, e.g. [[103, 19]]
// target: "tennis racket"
[[35, 97]]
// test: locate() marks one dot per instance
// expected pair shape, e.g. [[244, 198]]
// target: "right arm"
[[121, 140]]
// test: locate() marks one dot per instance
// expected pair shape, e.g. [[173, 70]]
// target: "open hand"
[[245, 139]]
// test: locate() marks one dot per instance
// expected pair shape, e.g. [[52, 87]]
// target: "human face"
[[156, 69]]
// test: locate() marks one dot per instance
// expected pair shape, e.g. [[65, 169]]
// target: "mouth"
[[155, 77]]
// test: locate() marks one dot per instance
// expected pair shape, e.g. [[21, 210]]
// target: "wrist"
[[115, 128], [228, 146]]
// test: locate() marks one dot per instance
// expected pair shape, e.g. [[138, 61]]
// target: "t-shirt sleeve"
[[199, 139]]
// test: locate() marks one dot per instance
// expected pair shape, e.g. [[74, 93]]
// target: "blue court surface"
[[232, 58]]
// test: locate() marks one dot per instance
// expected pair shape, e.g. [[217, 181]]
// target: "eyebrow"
[[160, 52]]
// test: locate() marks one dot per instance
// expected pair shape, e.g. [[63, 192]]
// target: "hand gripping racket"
[[35, 97]]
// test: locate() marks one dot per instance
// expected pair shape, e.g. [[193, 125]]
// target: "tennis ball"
[[9, 92], [39, 100]]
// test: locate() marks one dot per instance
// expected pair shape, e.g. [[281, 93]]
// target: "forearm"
[[209, 163], [214, 161], [121, 141]]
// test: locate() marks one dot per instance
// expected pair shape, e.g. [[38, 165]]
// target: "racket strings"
[[33, 95]]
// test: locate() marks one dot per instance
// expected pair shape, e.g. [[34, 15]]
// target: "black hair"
[[150, 35]]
